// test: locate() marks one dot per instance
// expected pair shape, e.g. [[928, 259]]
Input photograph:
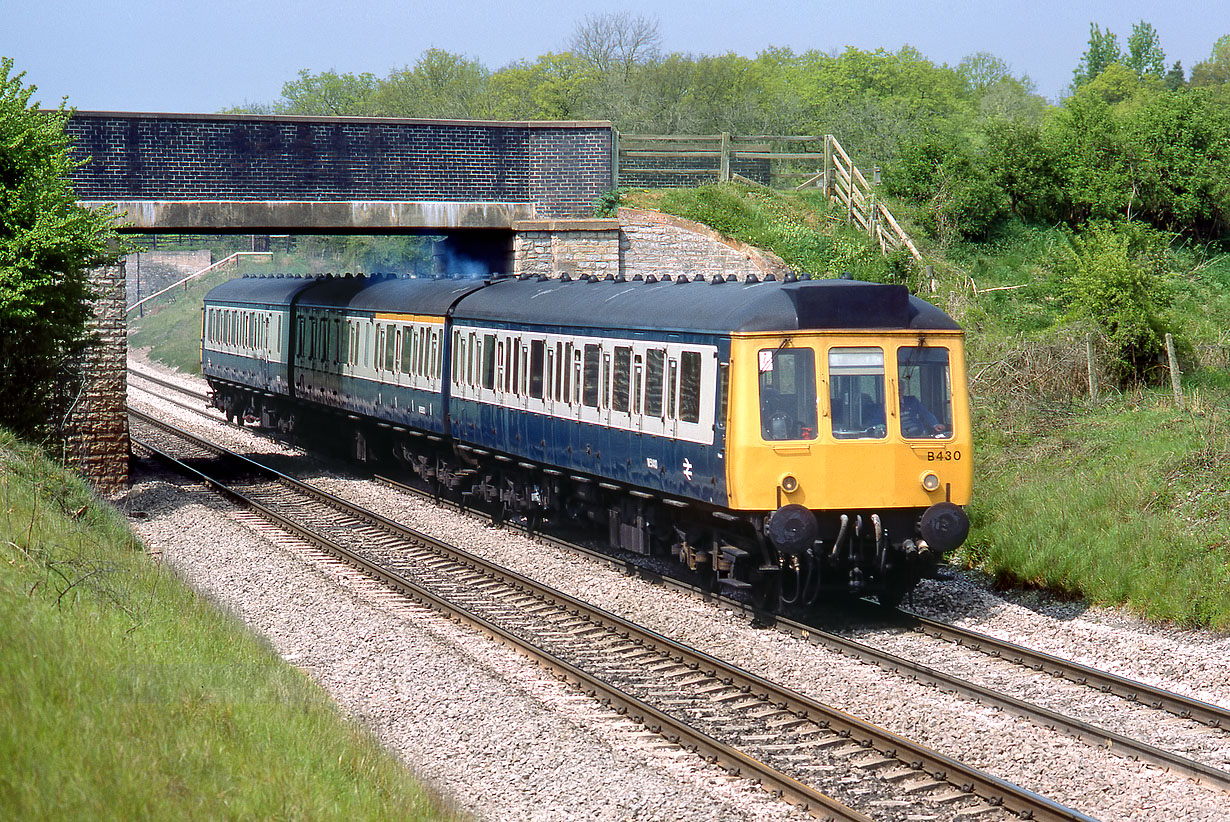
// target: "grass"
[[125, 695], [1121, 504]]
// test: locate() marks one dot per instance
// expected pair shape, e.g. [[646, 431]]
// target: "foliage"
[[1117, 275], [126, 695], [959, 197], [48, 244], [1102, 52], [1145, 55]]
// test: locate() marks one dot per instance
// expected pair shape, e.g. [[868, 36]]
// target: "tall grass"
[[124, 695]]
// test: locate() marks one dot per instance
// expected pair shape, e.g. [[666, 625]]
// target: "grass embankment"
[[124, 695]]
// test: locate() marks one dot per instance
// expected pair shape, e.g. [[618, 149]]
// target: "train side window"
[[672, 385], [723, 393], [390, 348], [472, 354], [593, 365], [655, 372], [576, 376], [621, 379], [437, 361], [566, 367], [689, 387], [638, 374], [606, 379], [515, 351], [537, 367], [925, 387], [787, 393], [856, 393], [489, 361], [560, 370]]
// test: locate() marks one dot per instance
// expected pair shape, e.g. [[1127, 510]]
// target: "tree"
[[327, 93], [1175, 79], [441, 84], [615, 41], [1103, 50], [1216, 70], [1145, 55], [983, 70], [48, 244]]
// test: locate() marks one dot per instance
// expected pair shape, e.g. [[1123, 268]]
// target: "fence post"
[[872, 215], [1174, 372], [829, 177], [1093, 372], [724, 168]]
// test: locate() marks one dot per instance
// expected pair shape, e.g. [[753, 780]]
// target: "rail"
[[234, 258]]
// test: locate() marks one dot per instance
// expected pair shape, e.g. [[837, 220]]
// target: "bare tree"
[[615, 41]]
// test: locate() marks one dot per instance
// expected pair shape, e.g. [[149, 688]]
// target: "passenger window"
[[925, 388], [672, 385], [787, 393], [489, 361], [390, 349], [689, 386], [638, 374], [856, 393], [655, 367], [593, 365], [621, 379], [537, 366]]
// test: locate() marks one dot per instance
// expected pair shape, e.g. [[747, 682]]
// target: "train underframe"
[[767, 556]]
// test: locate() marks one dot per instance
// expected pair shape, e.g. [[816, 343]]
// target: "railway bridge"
[[515, 197]]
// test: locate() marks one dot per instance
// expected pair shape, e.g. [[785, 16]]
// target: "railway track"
[[811, 755], [1211, 716]]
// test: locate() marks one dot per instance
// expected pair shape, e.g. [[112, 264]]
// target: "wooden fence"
[[771, 160]]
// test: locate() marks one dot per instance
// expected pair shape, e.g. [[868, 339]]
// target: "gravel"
[[506, 741]]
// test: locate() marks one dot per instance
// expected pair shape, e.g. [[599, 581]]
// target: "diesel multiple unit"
[[799, 439]]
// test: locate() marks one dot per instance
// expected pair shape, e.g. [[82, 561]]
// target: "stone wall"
[[96, 432], [638, 243], [559, 167], [553, 248], [659, 244], [151, 271]]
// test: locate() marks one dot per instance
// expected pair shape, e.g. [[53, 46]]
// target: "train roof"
[[261, 290], [410, 295], [701, 306], [678, 305]]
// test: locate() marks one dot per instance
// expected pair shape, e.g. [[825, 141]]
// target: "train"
[[793, 441]]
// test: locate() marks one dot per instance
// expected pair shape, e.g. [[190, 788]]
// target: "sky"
[[186, 56]]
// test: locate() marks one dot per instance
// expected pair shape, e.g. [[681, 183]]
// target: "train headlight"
[[930, 482], [790, 484]]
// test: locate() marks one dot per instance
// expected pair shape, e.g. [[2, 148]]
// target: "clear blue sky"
[[192, 56]]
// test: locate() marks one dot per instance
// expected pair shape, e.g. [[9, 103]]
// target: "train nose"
[[944, 526], [792, 529]]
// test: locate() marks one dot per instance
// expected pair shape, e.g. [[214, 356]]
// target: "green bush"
[[1116, 275]]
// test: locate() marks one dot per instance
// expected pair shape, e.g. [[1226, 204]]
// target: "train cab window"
[[925, 389], [689, 387], [593, 365], [856, 393], [788, 393], [655, 371]]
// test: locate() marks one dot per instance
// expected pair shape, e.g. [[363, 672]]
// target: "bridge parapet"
[[554, 168]]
